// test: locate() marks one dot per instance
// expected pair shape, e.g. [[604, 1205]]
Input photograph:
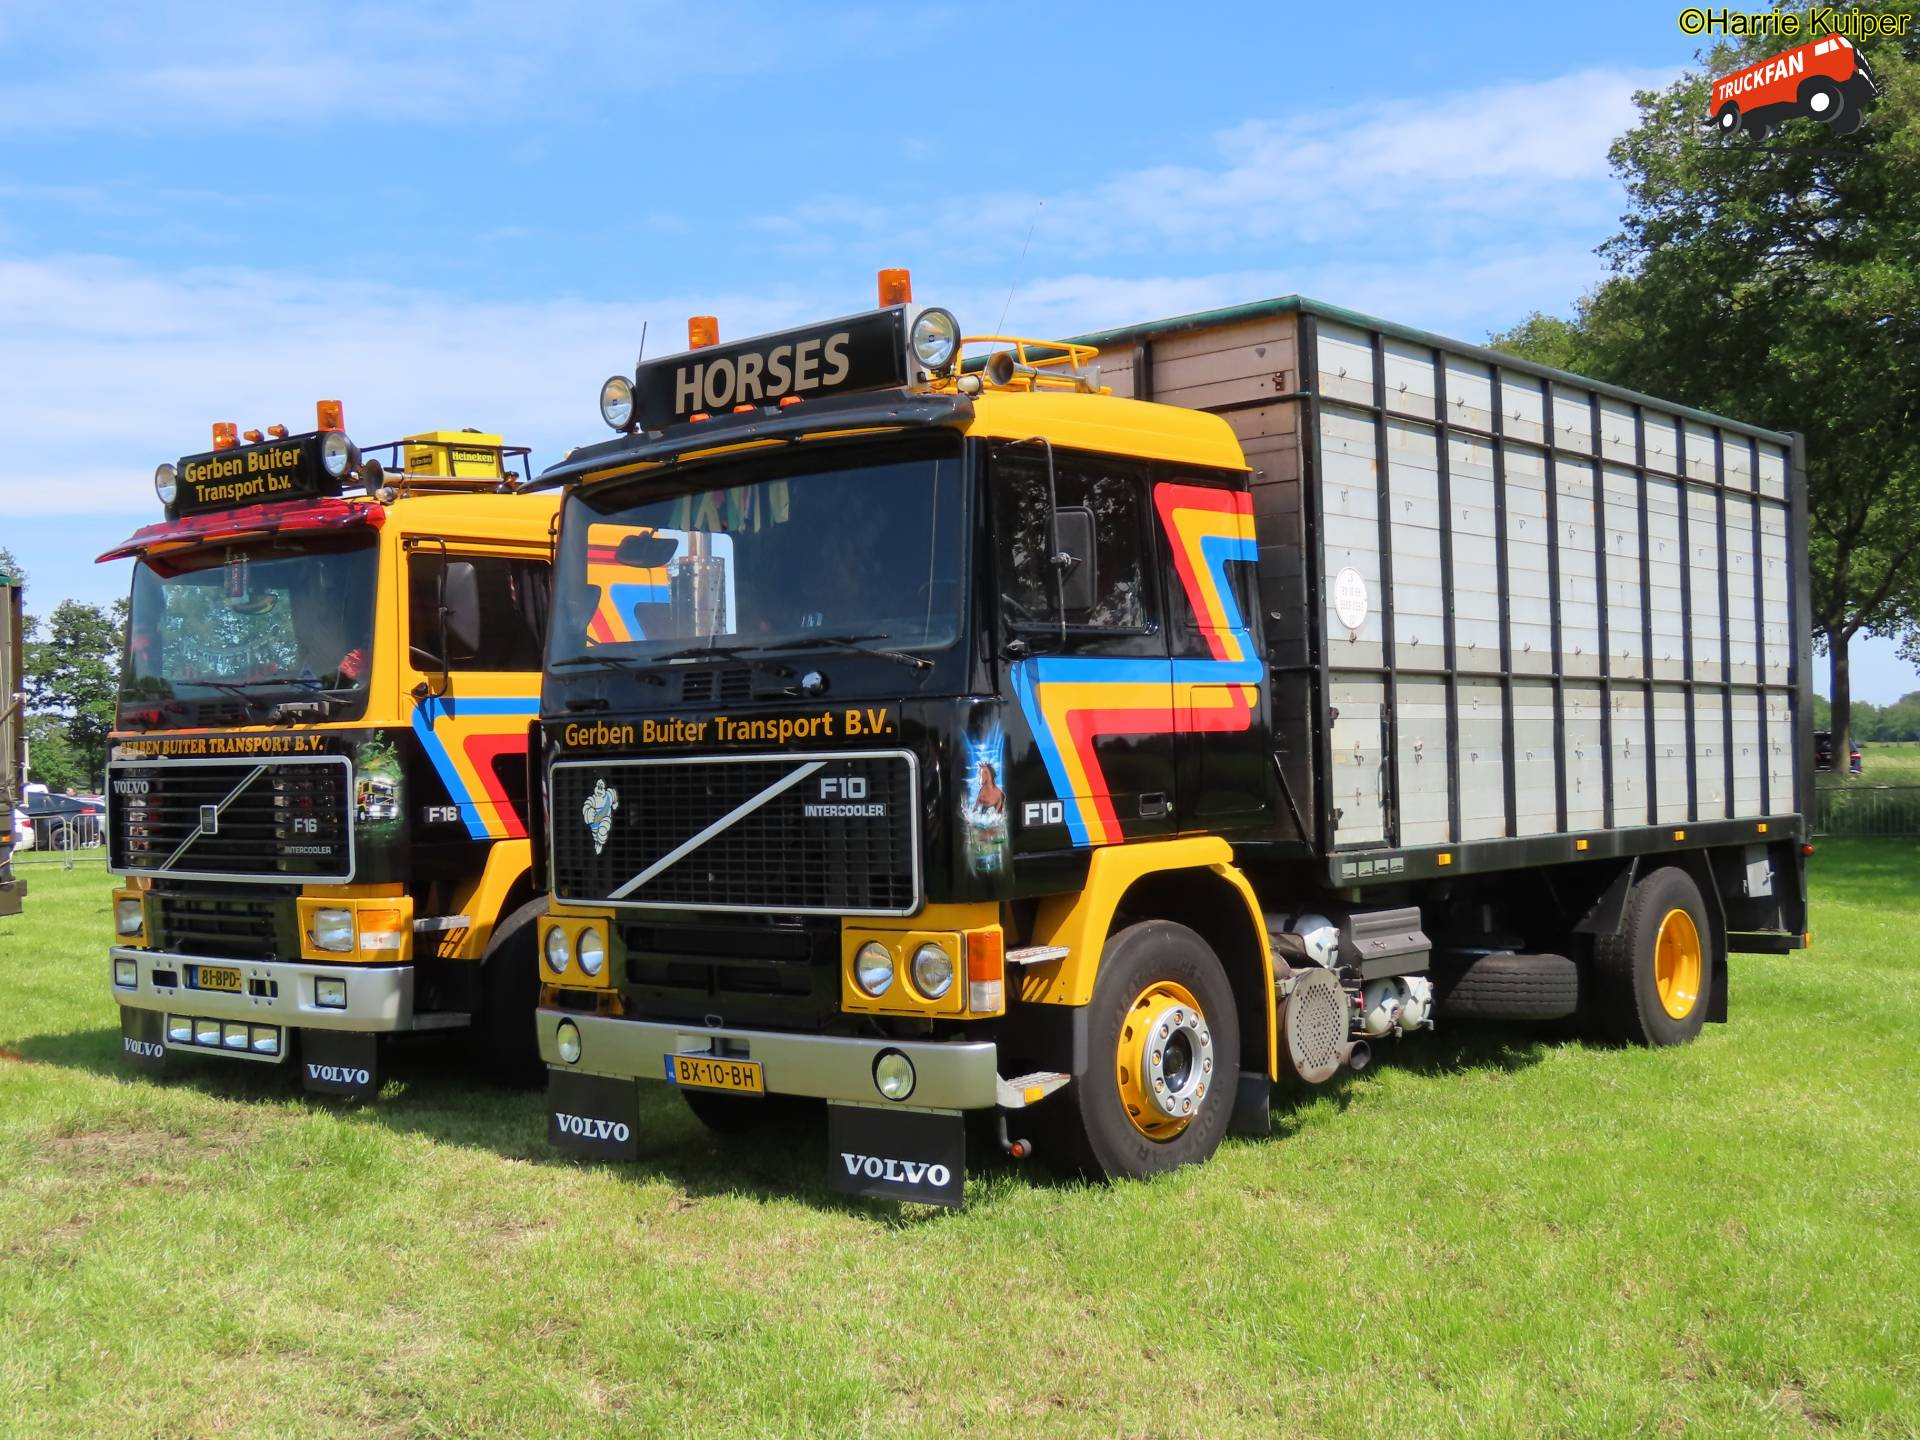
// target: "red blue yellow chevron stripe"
[[1071, 701], [463, 738], [621, 587]]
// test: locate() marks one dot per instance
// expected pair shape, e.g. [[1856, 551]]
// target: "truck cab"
[[317, 787]]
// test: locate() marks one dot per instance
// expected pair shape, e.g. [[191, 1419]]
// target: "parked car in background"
[[22, 831], [66, 822], [1823, 750]]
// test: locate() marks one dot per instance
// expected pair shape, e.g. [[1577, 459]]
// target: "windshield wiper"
[[851, 644], [633, 664]]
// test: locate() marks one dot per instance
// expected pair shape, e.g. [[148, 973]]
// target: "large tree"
[[1779, 282], [73, 677]]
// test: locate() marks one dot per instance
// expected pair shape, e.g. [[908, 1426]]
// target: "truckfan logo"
[[598, 813], [588, 1128], [1826, 80]]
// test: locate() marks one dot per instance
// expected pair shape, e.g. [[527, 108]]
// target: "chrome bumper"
[[949, 1075], [279, 992]]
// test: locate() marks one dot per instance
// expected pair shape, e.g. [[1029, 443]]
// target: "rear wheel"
[[504, 1038], [1653, 980], [1163, 1048], [1729, 120]]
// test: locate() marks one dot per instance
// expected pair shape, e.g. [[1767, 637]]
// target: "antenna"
[[1038, 205], [643, 346]]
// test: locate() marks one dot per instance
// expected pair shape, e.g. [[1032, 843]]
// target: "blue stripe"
[[426, 715]]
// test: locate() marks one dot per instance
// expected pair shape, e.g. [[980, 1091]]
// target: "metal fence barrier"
[[1867, 810]]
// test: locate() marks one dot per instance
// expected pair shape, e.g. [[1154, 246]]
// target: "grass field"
[[1891, 762], [1487, 1234]]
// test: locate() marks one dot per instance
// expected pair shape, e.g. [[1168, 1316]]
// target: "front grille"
[[223, 927], [841, 837], [751, 975], [264, 819]]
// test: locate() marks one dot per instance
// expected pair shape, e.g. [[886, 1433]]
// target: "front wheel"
[[1163, 1048], [1654, 980]]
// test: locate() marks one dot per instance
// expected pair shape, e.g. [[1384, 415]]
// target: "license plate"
[[716, 1072], [216, 977]]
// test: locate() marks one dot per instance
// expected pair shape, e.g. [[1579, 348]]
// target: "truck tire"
[[504, 1040], [1163, 1057], [1653, 982], [1505, 986]]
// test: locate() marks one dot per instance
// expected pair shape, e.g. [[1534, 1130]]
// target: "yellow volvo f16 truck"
[[1088, 751], [317, 790]]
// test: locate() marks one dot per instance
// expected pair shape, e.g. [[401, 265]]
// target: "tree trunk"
[[1842, 701]]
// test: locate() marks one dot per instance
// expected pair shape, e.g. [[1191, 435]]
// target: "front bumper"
[[279, 992], [949, 1074]]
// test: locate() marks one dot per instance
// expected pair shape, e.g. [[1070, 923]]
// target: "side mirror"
[[645, 552], [460, 611], [1073, 525]]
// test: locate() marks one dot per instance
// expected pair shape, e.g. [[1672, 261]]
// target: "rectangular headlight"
[[330, 992], [333, 930], [206, 1032], [128, 917], [180, 1029], [235, 1036], [126, 974], [266, 1040]]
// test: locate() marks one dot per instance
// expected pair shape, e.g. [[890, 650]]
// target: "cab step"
[[1030, 1089], [1036, 954]]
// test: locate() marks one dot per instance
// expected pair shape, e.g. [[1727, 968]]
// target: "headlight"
[[330, 992], [616, 402], [233, 1037], [893, 1075], [935, 338], [566, 1039], [166, 483], [180, 1029], [333, 930], [932, 971], [873, 968], [558, 951], [336, 454], [593, 950], [127, 918], [125, 974]]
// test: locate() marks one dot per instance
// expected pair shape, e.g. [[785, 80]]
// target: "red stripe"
[[481, 751]]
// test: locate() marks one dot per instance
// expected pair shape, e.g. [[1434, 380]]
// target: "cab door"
[[1083, 650]]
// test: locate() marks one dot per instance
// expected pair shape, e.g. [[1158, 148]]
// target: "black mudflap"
[[335, 1062], [897, 1154], [593, 1115], [143, 1036]]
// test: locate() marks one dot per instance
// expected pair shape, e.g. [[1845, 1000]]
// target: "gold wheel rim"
[[1156, 1042], [1677, 965]]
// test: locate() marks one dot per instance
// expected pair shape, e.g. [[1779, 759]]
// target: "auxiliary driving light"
[[166, 483], [127, 919], [616, 402], [207, 1032], [566, 1039], [873, 968], [266, 1040], [336, 454], [592, 950], [330, 993], [893, 1075], [180, 1029], [558, 951], [234, 1037], [932, 971], [125, 974], [935, 338], [333, 929]]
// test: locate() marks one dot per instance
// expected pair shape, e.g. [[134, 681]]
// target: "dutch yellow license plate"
[[217, 977], [717, 1072]]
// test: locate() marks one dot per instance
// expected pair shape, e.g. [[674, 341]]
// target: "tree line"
[[1876, 723], [72, 671]]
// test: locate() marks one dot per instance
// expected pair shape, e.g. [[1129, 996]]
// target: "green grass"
[[1888, 762], [1487, 1234]]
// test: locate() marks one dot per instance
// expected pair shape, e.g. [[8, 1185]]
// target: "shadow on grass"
[[1455, 1047]]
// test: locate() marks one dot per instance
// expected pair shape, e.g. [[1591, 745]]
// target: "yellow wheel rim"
[[1163, 1060], [1677, 964]]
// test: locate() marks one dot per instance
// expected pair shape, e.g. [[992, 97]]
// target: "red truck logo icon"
[[1827, 80]]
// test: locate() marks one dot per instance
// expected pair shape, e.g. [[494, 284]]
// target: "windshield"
[[264, 619], [784, 553]]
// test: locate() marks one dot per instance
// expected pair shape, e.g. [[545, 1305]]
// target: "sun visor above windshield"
[[247, 523]]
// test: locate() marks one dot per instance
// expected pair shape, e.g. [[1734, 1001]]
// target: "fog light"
[[180, 1029], [893, 1075], [558, 951], [330, 993], [234, 1037], [935, 338], [206, 1032], [128, 918], [125, 974], [566, 1039], [166, 484], [616, 402], [336, 454], [873, 968], [932, 971], [266, 1040], [592, 951], [332, 930]]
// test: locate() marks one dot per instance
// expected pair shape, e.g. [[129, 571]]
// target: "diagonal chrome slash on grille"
[[738, 813], [201, 829]]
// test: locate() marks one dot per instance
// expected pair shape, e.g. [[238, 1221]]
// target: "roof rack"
[[402, 481], [1035, 364]]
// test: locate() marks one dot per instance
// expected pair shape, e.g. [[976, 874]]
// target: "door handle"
[[1154, 805]]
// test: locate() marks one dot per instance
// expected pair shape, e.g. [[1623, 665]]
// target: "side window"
[[1097, 521], [497, 611]]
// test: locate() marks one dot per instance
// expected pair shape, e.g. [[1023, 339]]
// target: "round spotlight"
[[558, 950], [935, 339], [616, 402], [873, 968], [932, 971], [592, 950], [166, 483], [336, 454], [566, 1039], [893, 1075]]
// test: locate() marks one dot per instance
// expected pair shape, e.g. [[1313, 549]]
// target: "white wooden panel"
[[1476, 574], [1709, 755], [1469, 393], [1616, 431], [1670, 751], [1420, 716], [1773, 470], [1743, 635], [1523, 408], [1663, 442], [1483, 795], [1700, 463], [1581, 754], [1626, 648], [1350, 532], [1776, 629], [1579, 572], [1736, 456], [1629, 734], [1536, 802], [1358, 782], [1746, 752], [1529, 606], [1419, 603], [1346, 364], [1779, 757], [1409, 375], [1663, 578], [1703, 559], [1572, 419]]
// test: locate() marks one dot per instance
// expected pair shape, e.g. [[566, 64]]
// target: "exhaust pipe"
[[1359, 1055]]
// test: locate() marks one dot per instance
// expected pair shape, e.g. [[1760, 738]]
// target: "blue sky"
[[461, 214]]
